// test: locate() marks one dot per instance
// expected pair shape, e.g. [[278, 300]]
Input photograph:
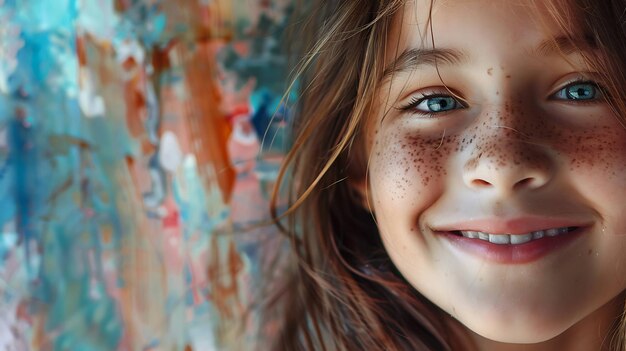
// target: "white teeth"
[[472, 235], [499, 238], [502, 239], [520, 239], [552, 232]]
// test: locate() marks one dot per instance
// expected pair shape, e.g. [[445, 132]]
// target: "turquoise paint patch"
[[98, 18], [43, 16]]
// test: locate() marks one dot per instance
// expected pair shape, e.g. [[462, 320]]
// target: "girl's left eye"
[[579, 91], [432, 104]]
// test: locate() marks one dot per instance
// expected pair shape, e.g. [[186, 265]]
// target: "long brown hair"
[[341, 291]]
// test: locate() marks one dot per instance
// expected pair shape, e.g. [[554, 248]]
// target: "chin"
[[508, 336], [527, 331]]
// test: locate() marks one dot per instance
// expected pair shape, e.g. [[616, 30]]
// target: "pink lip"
[[518, 225], [509, 253], [513, 254]]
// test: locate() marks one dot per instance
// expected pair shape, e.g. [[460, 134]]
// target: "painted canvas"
[[139, 143]]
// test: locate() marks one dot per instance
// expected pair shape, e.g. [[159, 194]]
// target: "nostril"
[[526, 182], [526, 174], [480, 183]]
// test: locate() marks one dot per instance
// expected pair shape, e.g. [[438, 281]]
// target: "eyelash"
[[417, 100], [599, 90]]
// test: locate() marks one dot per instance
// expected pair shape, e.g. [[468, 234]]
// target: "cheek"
[[407, 168], [596, 165], [601, 149], [407, 173]]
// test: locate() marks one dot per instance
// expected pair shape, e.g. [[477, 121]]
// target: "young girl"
[[458, 177]]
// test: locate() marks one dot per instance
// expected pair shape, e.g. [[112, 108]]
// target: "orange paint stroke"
[[209, 127]]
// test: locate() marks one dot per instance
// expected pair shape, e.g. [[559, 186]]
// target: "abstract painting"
[[139, 144]]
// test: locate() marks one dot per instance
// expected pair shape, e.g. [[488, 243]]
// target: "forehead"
[[468, 23]]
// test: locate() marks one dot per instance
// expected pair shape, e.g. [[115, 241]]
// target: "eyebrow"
[[565, 45], [415, 57]]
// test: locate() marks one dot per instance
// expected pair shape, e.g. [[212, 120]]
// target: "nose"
[[507, 161]]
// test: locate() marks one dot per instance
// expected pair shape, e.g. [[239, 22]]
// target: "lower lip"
[[514, 254]]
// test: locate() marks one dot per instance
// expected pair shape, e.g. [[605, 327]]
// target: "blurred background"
[[139, 143]]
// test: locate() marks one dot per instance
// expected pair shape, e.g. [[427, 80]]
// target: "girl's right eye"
[[432, 104]]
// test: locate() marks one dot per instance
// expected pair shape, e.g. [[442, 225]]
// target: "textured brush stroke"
[[138, 142]]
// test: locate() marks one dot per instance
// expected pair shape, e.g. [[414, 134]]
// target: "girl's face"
[[528, 153]]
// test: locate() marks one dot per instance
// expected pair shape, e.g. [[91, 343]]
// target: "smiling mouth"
[[513, 239]]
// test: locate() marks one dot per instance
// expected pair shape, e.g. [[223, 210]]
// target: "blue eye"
[[579, 91], [432, 104]]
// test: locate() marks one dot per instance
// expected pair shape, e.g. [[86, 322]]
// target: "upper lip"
[[516, 225]]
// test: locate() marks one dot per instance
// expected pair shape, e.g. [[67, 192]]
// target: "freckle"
[[490, 70], [589, 252], [508, 76]]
